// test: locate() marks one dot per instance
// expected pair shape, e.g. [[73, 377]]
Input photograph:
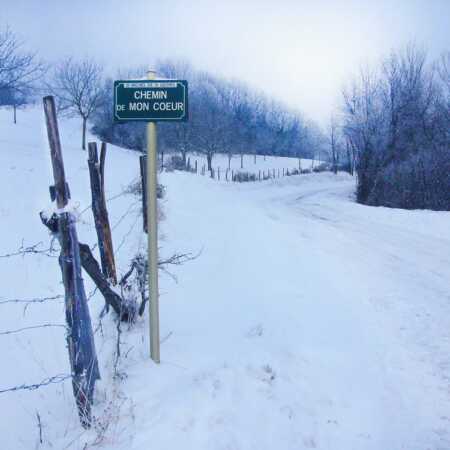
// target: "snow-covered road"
[[308, 321]]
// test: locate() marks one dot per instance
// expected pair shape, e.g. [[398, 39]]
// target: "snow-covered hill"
[[307, 321]]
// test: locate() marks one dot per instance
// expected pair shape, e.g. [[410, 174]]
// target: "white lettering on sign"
[[168, 106], [159, 106], [150, 84], [150, 95], [139, 106]]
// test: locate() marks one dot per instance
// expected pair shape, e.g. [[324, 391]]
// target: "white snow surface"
[[307, 321]]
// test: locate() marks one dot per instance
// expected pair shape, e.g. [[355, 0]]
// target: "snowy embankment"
[[307, 321]]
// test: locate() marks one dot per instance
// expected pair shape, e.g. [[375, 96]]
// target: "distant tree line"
[[396, 120], [224, 117]]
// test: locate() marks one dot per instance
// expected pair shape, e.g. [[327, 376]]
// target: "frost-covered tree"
[[396, 119], [224, 116], [19, 71], [79, 89]]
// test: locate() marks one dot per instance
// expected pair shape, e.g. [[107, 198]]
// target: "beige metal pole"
[[152, 230]]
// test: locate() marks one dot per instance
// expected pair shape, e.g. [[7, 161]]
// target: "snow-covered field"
[[307, 322]]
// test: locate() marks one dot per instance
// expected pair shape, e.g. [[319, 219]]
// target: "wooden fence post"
[[100, 211], [196, 166], [218, 173], [143, 165], [80, 338]]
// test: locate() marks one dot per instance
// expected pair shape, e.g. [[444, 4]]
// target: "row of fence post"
[[238, 175]]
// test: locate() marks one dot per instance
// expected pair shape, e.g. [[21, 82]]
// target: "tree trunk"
[[15, 113], [242, 160], [209, 160]]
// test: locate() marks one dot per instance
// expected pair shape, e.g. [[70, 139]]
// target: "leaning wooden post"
[[100, 211], [80, 338]]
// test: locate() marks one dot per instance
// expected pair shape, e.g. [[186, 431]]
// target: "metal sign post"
[[152, 221], [151, 101]]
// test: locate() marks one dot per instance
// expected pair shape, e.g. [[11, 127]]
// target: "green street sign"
[[150, 100]]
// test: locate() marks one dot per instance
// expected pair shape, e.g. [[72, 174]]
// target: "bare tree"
[[396, 122], [210, 119], [334, 144], [19, 70], [443, 69], [78, 87]]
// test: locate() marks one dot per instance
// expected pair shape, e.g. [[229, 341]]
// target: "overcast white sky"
[[300, 51]]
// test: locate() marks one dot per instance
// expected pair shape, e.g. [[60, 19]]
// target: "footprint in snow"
[[255, 331]]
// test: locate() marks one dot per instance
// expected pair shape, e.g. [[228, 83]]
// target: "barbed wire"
[[31, 300], [31, 387], [45, 325], [32, 249]]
